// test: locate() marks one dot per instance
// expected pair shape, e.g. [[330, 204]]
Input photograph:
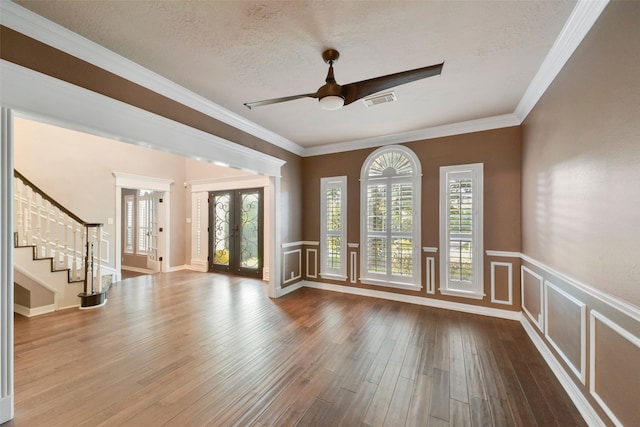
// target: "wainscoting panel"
[[566, 328], [430, 271], [312, 263], [615, 369], [291, 266], [353, 267], [501, 282], [532, 294], [590, 339]]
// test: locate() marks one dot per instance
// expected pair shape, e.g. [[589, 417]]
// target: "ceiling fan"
[[332, 96]]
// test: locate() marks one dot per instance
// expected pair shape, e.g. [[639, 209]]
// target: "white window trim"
[[415, 281], [147, 199], [325, 184], [129, 199], [476, 289]]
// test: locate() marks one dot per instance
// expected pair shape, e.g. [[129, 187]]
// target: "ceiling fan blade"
[[250, 105], [358, 90]]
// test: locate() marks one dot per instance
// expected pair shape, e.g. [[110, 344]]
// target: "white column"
[[275, 272], [6, 266]]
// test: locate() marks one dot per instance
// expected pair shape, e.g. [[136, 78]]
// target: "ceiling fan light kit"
[[332, 96], [331, 102]]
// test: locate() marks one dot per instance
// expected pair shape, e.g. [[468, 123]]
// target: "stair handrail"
[[88, 258], [52, 200]]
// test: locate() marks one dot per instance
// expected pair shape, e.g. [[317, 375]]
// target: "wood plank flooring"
[[196, 349]]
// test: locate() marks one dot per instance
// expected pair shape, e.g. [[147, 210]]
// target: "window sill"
[[464, 294], [339, 277], [391, 284]]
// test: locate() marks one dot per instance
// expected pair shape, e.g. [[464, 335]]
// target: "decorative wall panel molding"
[[353, 267], [565, 327], [288, 258], [312, 263], [533, 305], [430, 271], [614, 369], [508, 285]]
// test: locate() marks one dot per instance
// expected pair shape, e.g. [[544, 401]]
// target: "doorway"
[[141, 225], [236, 232]]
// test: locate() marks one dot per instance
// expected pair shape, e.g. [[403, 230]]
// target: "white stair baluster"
[[99, 258], [37, 225], [64, 235], [50, 217], [57, 216], [18, 208], [83, 240], [74, 268], [27, 213]]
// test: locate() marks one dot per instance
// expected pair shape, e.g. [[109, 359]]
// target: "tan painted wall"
[[30, 294], [21, 296], [581, 161], [500, 152]]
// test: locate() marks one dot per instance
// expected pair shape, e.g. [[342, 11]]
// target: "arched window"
[[390, 218]]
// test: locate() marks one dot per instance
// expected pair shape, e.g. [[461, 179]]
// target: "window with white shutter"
[[144, 225], [390, 218], [333, 234], [461, 259], [129, 229]]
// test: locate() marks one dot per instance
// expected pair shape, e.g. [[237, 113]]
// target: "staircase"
[[56, 250]]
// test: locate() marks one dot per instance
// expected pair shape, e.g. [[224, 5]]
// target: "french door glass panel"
[[221, 209], [250, 230], [236, 235]]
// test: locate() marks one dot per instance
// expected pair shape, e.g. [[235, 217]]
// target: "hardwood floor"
[[195, 349]]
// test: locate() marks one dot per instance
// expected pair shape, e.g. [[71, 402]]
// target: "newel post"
[[91, 297]]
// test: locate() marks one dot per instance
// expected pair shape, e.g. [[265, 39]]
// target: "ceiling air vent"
[[380, 98]]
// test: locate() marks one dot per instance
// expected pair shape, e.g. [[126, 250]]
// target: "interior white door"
[[154, 221]]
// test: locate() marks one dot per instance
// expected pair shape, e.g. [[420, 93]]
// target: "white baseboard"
[[106, 271], [199, 266], [69, 306], [582, 404], [178, 268], [6, 409], [284, 291], [429, 302], [30, 312], [136, 269]]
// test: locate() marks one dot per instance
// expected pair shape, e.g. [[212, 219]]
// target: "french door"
[[142, 219], [236, 232], [153, 259]]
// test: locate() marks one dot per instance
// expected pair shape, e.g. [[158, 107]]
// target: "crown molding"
[[488, 123], [35, 26], [38, 95], [582, 18]]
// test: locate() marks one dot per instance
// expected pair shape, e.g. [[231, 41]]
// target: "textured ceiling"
[[233, 52]]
